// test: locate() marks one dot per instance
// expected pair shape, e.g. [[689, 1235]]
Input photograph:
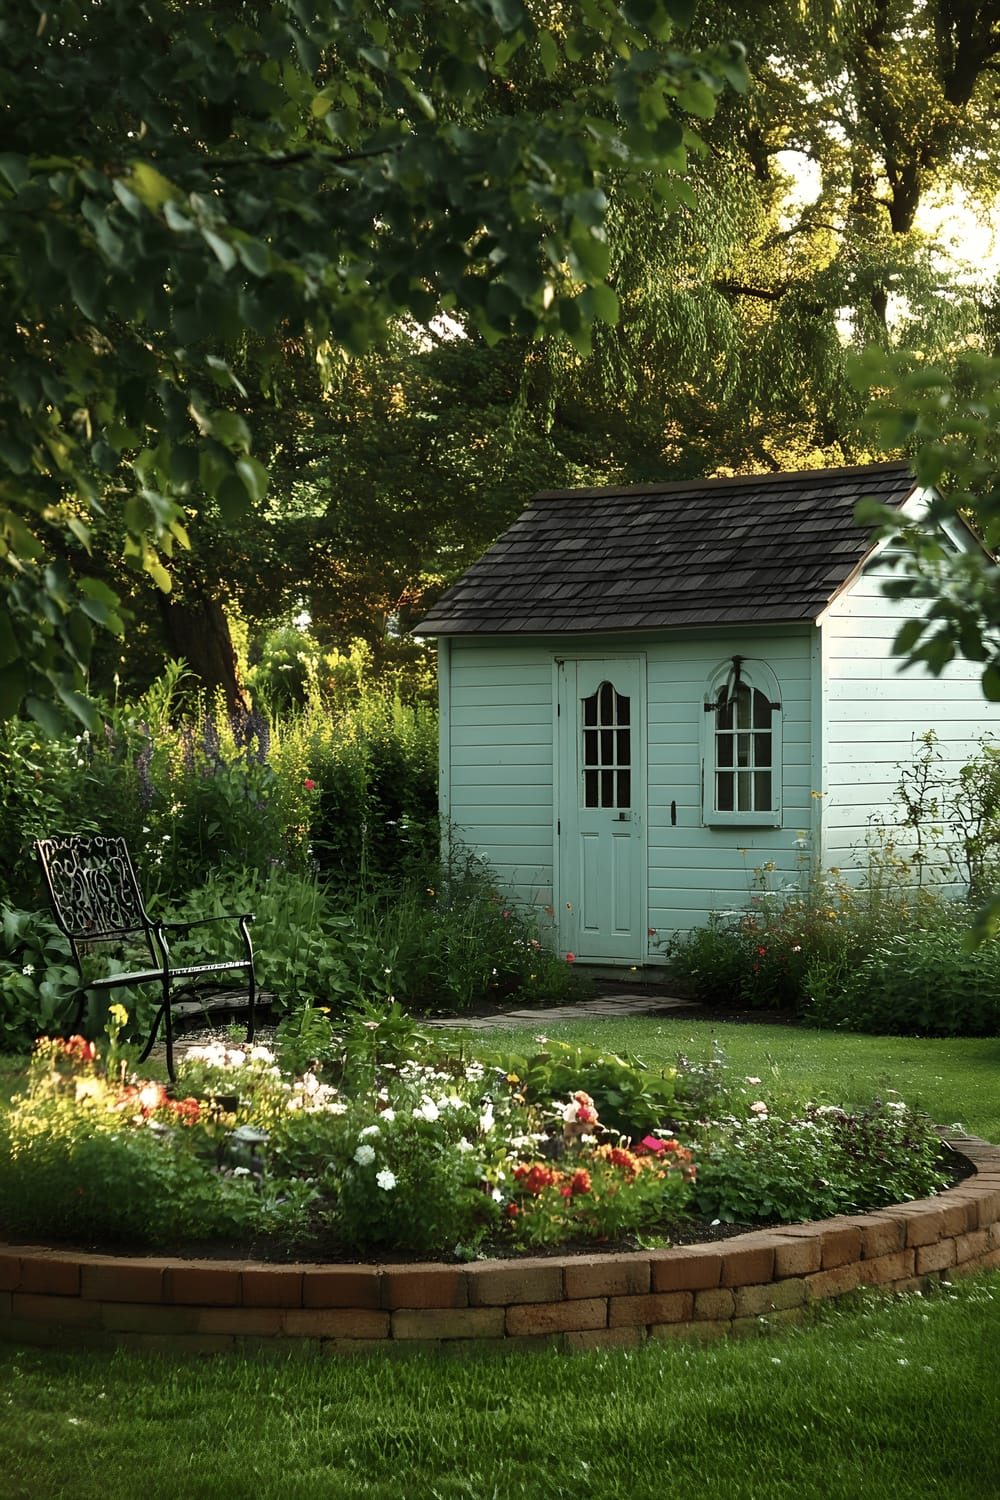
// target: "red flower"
[[512, 1210], [571, 958], [580, 1182], [310, 786], [652, 1144]]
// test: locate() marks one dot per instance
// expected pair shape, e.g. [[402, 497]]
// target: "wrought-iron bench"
[[96, 899]]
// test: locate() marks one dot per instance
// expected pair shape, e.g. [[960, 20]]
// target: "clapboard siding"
[[500, 753], [874, 715]]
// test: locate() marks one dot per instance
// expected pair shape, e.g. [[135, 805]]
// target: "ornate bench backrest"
[[93, 887]]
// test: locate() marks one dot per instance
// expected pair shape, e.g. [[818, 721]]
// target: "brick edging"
[[579, 1302]]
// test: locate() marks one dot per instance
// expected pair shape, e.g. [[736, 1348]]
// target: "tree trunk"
[[196, 628]]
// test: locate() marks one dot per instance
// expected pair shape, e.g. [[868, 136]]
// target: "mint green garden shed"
[[649, 693]]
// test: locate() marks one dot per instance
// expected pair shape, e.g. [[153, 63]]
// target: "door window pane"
[[606, 748]]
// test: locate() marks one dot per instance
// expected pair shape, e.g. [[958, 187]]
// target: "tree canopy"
[[180, 181]]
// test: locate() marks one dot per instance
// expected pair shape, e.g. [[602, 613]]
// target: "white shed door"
[[602, 850]]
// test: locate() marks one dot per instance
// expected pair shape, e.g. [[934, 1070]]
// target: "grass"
[[886, 1399], [953, 1079], [875, 1398]]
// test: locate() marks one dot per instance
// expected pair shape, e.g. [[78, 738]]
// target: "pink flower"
[[571, 958]]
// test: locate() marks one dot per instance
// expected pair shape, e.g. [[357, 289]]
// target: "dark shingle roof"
[[751, 550]]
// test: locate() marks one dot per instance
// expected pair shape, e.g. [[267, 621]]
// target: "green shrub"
[[924, 982]]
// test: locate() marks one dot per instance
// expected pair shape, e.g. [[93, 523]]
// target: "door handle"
[[624, 817]]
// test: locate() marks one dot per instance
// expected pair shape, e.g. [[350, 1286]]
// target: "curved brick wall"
[[49, 1296]]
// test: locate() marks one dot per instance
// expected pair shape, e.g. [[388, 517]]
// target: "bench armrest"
[[182, 926]]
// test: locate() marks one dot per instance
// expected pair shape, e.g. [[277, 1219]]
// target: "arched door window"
[[606, 761], [742, 768]]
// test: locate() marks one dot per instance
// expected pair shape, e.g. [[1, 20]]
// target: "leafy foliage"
[[272, 173]]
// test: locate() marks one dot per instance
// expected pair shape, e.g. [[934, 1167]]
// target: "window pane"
[[762, 749], [607, 747], [607, 702], [743, 803], [607, 788], [624, 707], [590, 711], [624, 789], [724, 712], [590, 789], [724, 791], [742, 749], [743, 707], [761, 711], [590, 747], [624, 748], [762, 790], [724, 749]]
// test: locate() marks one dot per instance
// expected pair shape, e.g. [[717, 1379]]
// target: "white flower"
[[426, 1110], [386, 1180], [892, 1104], [388, 1115], [760, 1108], [486, 1120], [261, 1054], [28, 969], [364, 1155], [497, 1195], [464, 1145], [368, 1132]]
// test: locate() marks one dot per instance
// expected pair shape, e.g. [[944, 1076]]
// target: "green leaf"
[[907, 636], [14, 169], [224, 252], [46, 716], [79, 706], [991, 682], [548, 52], [254, 476], [151, 187], [233, 500], [13, 683]]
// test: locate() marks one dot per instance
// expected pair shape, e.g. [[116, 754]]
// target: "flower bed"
[[417, 1151], [767, 1277]]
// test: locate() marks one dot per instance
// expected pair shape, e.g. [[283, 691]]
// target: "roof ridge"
[[680, 486]]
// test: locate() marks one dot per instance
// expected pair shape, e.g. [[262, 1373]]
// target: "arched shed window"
[[742, 760]]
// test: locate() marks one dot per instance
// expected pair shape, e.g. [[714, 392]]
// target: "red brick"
[[202, 1285], [606, 1276], [832, 1283], [123, 1280], [137, 1317], [923, 1219], [10, 1270], [261, 1322], [56, 1311], [657, 1307], [509, 1281], [341, 1286], [886, 1268], [271, 1286], [746, 1264], [447, 1323], [50, 1274], [336, 1323], [987, 1206], [839, 1239], [559, 1317], [424, 1286], [688, 1268], [717, 1304], [797, 1255], [777, 1296], [970, 1246], [881, 1234], [604, 1338], [935, 1257]]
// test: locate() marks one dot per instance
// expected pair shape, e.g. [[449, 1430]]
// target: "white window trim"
[[755, 674]]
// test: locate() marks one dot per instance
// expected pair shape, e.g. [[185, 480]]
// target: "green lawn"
[[886, 1400], [953, 1079]]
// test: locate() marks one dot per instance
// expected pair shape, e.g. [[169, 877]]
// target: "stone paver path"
[[604, 1007]]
